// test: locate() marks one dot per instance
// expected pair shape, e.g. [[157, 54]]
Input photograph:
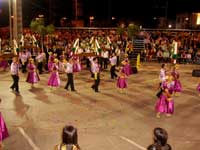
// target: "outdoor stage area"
[[108, 120]]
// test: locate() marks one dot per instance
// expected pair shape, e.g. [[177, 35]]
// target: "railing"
[[115, 28]]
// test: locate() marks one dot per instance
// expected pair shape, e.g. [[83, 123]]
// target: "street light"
[[10, 22], [91, 19], [170, 26]]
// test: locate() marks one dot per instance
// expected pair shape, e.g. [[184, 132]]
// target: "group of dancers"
[[170, 86], [69, 65]]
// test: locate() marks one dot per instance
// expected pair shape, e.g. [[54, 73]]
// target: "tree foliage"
[[132, 30], [38, 26]]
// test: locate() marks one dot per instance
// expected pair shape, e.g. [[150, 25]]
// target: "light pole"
[[15, 21], [91, 18], [10, 22]]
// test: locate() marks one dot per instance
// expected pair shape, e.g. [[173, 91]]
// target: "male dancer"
[[69, 71], [14, 69], [113, 62], [96, 72]]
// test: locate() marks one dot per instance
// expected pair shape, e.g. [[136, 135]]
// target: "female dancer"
[[127, 67], [54, 79], [32, 73], [77, 64], [3, 129], [165, 103], [121, 82], [51, 61], [198, 87], [177, 83]]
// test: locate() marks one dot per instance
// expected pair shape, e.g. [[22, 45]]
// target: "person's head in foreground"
[[160, 140], [69, 138]]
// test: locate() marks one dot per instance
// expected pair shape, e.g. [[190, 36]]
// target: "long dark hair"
[[69, 135], [161, 136]]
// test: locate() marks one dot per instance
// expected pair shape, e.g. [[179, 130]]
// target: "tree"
[[133, 30], [39, 27], [120, 30]]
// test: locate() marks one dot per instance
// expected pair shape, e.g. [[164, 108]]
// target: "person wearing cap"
[[14, 69], [69, 71]]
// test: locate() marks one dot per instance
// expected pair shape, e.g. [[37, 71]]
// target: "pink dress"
[[170, 106], [121, 82], [198, 87], [177, 83], [51, 62], [4, 64], [76, 65], [33, 76], [3, 129], [161, 104], [54, 79]]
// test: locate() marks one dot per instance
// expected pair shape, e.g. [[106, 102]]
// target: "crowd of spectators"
[[158, 44]]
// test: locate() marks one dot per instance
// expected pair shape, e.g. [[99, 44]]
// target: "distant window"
[[198, 19]]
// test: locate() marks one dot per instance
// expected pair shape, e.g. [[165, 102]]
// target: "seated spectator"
[[183, 57], [69, 139], [188, 58], [159, 56], [160, 140]]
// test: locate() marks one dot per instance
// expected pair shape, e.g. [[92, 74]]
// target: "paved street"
[[108, 120]]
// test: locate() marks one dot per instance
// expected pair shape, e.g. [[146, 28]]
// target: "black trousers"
[[40, 66], [118, 61], [70, 81], [15, 85], [24, 67], [112, 72], [95, 86], [105, 63], [88, 63]]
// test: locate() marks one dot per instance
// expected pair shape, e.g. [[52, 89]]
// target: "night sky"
[[142, 10]]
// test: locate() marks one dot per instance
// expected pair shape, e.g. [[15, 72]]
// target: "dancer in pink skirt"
[[3, 129], [3, 64], [32, 73], [51, 61], [121, 81], [177, 83], [54, 79], [76, 65], [127, 67], [198, 87], [165, 103]]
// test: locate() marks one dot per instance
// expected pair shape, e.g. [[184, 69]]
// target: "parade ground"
[[108, 120]]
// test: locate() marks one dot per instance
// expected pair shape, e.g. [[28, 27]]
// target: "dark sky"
[[103, 9]]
